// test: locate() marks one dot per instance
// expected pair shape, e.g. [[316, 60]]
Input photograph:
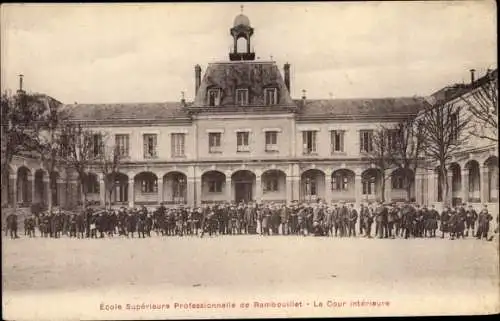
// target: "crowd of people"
[[319, 219]]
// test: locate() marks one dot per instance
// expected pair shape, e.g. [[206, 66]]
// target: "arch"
[[174, 188], [23, 188], [371, 180], [119, 189], [342, 185], [145, 188], [213, 186], [273, 185], [243, 186], [474, 181], [491, 164], [312, 184], [40, 186]]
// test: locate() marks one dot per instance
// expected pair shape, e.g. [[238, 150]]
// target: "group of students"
[[319, 219]]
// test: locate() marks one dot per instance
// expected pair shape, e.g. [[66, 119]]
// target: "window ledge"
[[178, 156], [338, 153], [272, 151], [310, 154]]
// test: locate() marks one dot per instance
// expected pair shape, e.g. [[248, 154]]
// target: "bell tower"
[[241, 29]]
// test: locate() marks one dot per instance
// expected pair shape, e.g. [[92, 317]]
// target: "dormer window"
[[271, 96], [214, 97], [242, 97]]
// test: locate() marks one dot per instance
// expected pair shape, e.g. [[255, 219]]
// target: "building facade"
[[244, 138]]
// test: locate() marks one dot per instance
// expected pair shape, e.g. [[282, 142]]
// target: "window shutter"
[[361, 143], [313, 141], [304, 142], [172, 145], [342, 141], [145, 143]]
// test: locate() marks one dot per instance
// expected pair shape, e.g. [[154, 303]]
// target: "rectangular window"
[[271, 141], [242, 97], [340, 183], [178, 141], [214, 142], [97, 145], [309, 142], [392, 139], [365, 141], [149, 185], [122, 144], [150, 143], [214, 97], [93, 185], [368, 187], [337, 141], [215, 186], [242, 141], [271, 96], [398, 182]]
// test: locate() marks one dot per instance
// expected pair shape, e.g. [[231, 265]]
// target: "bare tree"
[[50, 144], [482, 102], [81, 153], [109, 162], [406, 146], [20, 125], [380, 156], [444, 131]]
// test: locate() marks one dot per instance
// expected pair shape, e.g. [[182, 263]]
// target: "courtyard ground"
[[80, 279]]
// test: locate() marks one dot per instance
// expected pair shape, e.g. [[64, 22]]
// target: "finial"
[[303, 93], [241, 7], [182, 95], [271, 57]]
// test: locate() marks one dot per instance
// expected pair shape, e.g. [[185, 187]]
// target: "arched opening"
[[273, 185], [119, 194], [174, 188], [92, 188], [7, 187], [312, 185], [241, 45], [402, 185], [40, 188], [474, 179], [23, 189], [455, 184], [243, 184], [54, 191], [213, 187], [146, 188], [342, 187], [371, 180], [492, 164]]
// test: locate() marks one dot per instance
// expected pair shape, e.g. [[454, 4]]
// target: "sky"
[[112, 53]]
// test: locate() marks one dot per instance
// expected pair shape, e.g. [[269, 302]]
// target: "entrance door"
[[243, 192]]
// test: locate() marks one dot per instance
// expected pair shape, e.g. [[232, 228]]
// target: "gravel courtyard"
[[72, 278]]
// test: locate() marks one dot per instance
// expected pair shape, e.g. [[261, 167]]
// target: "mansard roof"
[[251, 75], [360, 108], [165, 111]]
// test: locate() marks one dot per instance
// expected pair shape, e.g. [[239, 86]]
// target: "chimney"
[[303, 97], [197, 78], [20, 90], [472, 79], [286, 70]]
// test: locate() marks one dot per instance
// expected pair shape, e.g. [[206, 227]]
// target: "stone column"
[[258, 188], [228, 190], [358, 189], [432, 192], [449, 194], [13, 189], [418, 188], [288, 189], [33, 189], [191, 191], [328, 188], [47, 192], [198, 189], [131, 192], [465, 185], [160, 189], [483, 184], [295, 188], [388, 189], [61, 190], [102, 190]]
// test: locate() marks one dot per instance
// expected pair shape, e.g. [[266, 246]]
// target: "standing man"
[[484, 219], [470, 220], [12, 225], [353, 218]]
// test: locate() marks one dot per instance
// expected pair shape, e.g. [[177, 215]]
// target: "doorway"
[[243, 192]]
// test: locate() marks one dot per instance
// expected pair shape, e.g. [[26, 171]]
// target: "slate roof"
[[127, 111], [251, 75], [373, 107]]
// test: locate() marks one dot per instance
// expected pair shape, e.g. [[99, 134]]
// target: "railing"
[[272, 148], [215, 149], [243, 148]]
